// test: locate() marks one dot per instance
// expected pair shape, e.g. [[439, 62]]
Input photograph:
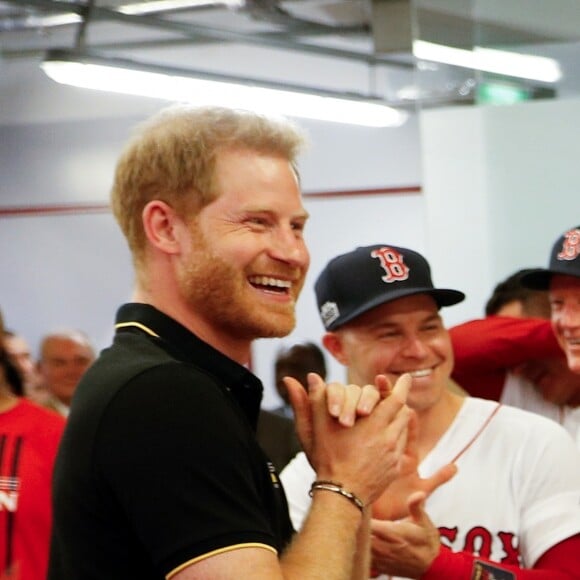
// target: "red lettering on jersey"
[[511, 549], [449, 534], [392, 263], [478, 541], [571, 246]]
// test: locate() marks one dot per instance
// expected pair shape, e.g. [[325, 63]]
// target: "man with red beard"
[[159, 474]]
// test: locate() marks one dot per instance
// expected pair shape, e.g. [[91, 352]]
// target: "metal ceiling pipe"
[[199, 33]]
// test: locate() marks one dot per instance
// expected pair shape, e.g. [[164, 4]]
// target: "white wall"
[[500, 185], [63, 271]]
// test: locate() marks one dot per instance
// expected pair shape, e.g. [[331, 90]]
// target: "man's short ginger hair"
[[172, 158]]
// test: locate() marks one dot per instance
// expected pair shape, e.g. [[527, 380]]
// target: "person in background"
[[159, 474], [512, 510], [20, 353], [512, 355], [296, 361], [29, 437], [65, 355], [276, 433], [562, 280], [12, 378]]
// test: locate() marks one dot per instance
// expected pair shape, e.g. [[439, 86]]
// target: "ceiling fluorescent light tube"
[[163, 5], [202, 88], [502, 62], [63, 19], [136, 8]]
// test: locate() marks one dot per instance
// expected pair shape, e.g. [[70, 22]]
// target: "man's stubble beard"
[[221, 294]]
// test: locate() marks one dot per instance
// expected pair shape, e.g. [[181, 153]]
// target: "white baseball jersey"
[[518, 392], [516, 493]]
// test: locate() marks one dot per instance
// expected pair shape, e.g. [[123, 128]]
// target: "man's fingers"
[[335, 399], [347, 416], [316, 385], [440, 477], [342, 401], [390, 530], [413, 431], [296, 393], [368, 400], [389, 407], [397, 432], [416, 504], [347, 402], [402, 420], [402, 387], [383, 385], [385, 531], [302, 413]]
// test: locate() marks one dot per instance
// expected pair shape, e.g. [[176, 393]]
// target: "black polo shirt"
[[159, 464]]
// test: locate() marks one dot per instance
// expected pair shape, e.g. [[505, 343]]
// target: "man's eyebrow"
[[383, 325], [434, 316], [304, 215]]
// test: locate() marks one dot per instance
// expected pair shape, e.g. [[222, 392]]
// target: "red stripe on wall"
[[62, 209], [75, 209], [356, 192]]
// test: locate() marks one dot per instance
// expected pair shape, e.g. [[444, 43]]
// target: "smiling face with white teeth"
[[402, 336], [565, 304], [247, 260]]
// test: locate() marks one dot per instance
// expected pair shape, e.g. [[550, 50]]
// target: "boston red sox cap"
[[369, 276], [564, 259]]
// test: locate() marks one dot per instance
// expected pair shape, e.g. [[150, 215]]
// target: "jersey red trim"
[[560, 562]]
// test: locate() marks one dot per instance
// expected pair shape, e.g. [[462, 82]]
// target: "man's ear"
[[332, 341], [162, 225]]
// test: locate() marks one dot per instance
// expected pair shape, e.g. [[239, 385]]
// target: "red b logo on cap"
[[571, 246], [392, 263]]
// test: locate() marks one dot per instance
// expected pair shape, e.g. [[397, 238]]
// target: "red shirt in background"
[[485, 349], [29, 438]]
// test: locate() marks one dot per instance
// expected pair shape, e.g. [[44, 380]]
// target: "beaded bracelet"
[[337, 488]]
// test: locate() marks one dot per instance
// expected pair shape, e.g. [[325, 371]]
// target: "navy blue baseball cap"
[[564, 259], [369, 276]]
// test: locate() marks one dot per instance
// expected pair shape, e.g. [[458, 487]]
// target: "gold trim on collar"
[[137, 325]]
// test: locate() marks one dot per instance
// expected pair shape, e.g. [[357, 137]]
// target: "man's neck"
[[434, 421], [236, 349]]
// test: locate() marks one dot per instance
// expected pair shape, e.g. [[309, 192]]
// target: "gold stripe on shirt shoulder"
[[215, 553], [137, 325]]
